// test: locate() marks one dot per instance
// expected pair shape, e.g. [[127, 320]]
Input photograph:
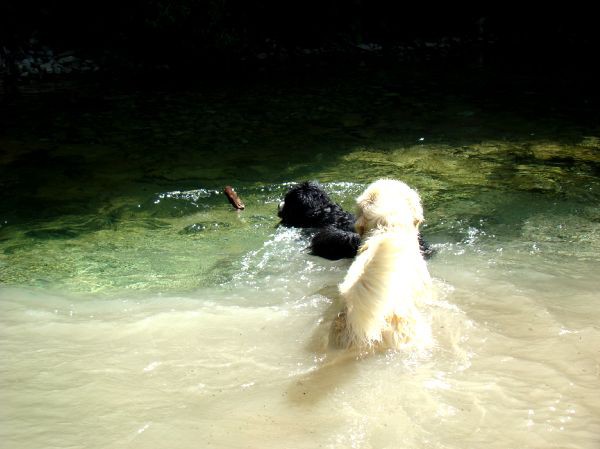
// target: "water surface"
[[138, 309]]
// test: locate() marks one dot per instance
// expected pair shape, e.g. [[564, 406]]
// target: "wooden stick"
[[233, 198]]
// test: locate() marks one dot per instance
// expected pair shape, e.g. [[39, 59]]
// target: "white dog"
[[389, 276]]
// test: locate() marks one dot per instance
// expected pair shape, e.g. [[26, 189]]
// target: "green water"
[[105, 190], [127, 279]]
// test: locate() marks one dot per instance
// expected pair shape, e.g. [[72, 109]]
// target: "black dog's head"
[[306, 205]]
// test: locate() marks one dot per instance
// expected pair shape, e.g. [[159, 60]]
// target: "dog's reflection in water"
[[334, 365]]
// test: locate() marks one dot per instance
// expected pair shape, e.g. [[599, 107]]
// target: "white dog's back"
[[381, 290]]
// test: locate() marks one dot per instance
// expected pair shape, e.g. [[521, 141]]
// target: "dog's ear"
[[365, 211], [371, 198], [414, 201]]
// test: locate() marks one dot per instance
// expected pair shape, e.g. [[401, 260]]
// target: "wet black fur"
[[307, 205], [333, 243]]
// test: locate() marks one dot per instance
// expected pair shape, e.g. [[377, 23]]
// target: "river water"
[[139, 310]]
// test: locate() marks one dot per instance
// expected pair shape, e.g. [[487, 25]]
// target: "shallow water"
[[139, 310]]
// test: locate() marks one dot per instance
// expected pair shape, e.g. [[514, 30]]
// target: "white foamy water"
[[515, 362]]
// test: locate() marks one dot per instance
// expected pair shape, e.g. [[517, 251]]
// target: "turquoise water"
[[139, 309]]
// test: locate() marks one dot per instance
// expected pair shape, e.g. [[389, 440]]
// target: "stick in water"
[[233, 198]]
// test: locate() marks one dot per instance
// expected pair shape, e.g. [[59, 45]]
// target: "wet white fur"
[[389, 276]]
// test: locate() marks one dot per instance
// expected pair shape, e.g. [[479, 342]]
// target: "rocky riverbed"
[[36, 61], [41, 61]]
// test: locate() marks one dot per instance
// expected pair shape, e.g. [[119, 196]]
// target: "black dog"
[[306, 205]]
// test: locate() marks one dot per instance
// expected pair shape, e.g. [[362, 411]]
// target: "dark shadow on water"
[[312, 387], [336, 367]]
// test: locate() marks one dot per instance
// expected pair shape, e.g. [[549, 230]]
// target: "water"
[[139, 310]]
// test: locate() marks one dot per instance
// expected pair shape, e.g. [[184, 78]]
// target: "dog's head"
[[306, 205], [387, 204]]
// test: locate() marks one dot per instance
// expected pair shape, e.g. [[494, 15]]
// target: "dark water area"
[[89, 141]]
